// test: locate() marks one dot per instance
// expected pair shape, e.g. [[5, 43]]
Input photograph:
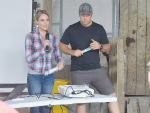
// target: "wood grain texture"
[[144, 106], [132, 106], [47, 5], [138, 105], [131, 48], [120, 74], [113, 62], [147, 46], [123, 29], [141, 48]]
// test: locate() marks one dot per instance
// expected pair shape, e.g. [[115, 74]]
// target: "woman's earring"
[[37, 25]]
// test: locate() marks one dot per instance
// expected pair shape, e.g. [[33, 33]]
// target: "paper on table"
[[51, 71]]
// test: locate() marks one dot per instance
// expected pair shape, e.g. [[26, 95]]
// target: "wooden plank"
[[135, 105], [132, 106], [123, 28], [141, 46], [120, 74], [148, 45], [144, 106], [129, 106], [138, 104], [131, 48], [47, 5], [113, 62], [116, 68]]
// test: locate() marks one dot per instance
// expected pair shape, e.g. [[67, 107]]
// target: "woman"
[[39, 60]]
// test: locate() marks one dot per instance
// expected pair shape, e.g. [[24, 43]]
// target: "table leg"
[[89, 107], [101, 107], [69, 109], [48, 107]]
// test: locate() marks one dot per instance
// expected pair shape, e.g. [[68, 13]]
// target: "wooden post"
[[123, 29], [148, 45], [131, 48], [116, 68], [113, 62], [120, 74], [141, 48]]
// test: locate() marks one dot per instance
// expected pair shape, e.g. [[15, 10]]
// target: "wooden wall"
[[138, 104], [135, 30]]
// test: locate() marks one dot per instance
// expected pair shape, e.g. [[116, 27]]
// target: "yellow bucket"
[[59, 108], [58, 82]]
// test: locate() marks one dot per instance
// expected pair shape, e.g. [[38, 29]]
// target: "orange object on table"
[[5, 108]]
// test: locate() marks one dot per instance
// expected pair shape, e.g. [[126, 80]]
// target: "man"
[[85, 68]]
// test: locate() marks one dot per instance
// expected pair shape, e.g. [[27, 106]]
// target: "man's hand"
[[60, 65], [77, 53], [95, 45]]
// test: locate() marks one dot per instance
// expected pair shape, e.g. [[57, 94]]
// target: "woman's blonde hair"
[[39, 13]]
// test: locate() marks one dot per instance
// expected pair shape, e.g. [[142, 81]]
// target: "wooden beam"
[[116, 68], [147, 45], [141, 48], [120, 74], [123, 29], [131, 48], [47, 5], [113, 62]]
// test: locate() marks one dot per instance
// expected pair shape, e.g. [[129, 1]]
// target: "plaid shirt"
[[37, 59]]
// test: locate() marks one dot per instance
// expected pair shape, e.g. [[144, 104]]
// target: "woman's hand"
[[60, 65], [45, 43]]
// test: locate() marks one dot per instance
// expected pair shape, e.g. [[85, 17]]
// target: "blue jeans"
[[40, 84]]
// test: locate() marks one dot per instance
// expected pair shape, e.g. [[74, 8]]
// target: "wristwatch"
[[101, 47]]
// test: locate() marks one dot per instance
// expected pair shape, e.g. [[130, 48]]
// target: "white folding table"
[[48, 100]]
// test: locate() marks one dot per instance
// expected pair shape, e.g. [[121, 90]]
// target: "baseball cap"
[[85, 9]]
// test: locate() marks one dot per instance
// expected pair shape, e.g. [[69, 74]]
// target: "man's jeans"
[[40, 84]]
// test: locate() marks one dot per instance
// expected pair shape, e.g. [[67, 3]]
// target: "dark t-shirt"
[[79, 37]]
